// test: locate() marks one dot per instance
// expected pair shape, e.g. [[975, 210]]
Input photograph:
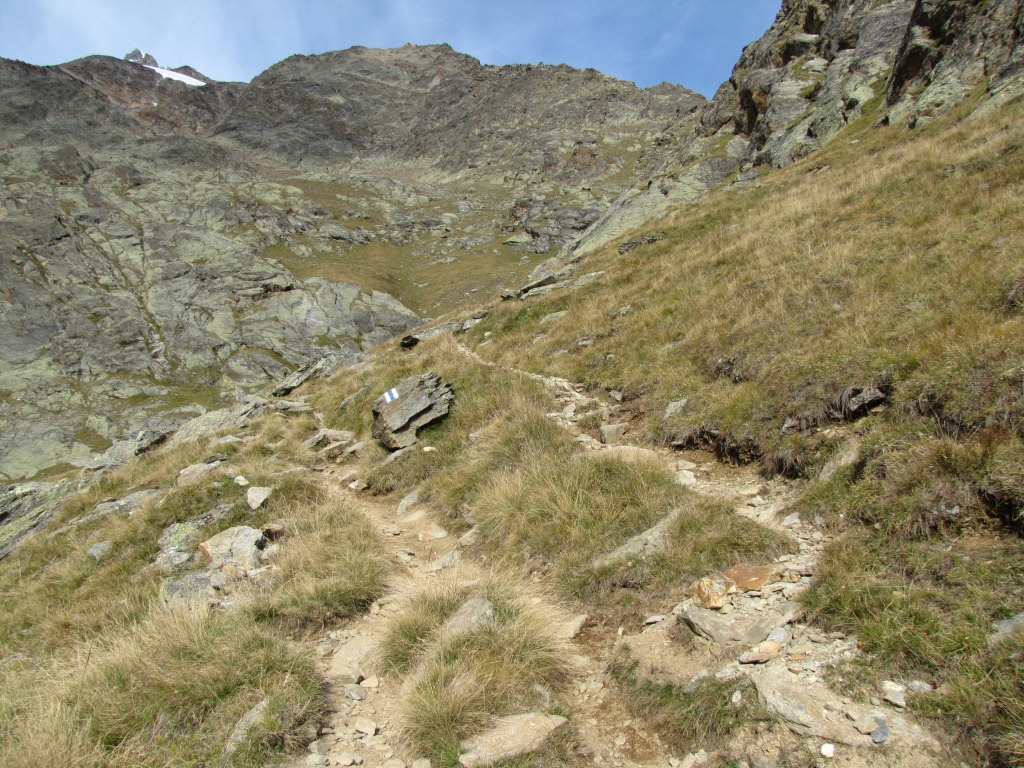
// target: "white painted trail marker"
[[390, 396]]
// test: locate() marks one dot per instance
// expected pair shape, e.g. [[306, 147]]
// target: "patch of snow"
[[171, 74]]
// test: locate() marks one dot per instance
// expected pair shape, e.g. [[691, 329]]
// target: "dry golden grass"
[[166, 692], [122, 681], [459, 680]]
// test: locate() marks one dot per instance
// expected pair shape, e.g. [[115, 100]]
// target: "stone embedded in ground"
[[713, 592], [640, 546], [675, 408], [475, 613], [433, 533], [126, 506], [728, 629], [470, 537], [393, 763], [237, 547], [349, 659], [894, 693], [355, 692], [99, 551], [920, 686], [412, 339], [241, 480], [612, 433], [750, 577], [1003, 629], [415, 403], [192, 589], [881, 734], [407, 501], [420, 763], [196, 473], [245, 724], [347, 758], [321, 367], [325, 437], [574, 626], [256, 495], [365, 725], [448, 561], [510, 737], [686, 477]]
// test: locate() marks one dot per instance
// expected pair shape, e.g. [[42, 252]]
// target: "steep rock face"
[[822, 65], [127, 300], [162, 245]]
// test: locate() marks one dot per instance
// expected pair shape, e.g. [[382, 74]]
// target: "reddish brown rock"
[[713, 592], [749, 577]]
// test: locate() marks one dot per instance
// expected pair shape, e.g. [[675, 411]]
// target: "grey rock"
[[675, 407], [1004, 629], [317, 369], [411, 340], [640, 546], [475, 613], [192, 589], [881, 734], [237, 547], [126, 507], [256, 495], [894, 693], [244, 725], [355, 692], [100, 550], [197, 473], [26, 507], [415, 403], [510, 737], [612, 433], [325, 437], [448, 561], [733, 628], [470, 537], [407, 501]]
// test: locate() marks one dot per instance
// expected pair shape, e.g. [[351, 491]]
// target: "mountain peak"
[[139, 57]]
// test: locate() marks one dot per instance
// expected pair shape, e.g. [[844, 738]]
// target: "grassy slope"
[[888, 257], [900, 263]]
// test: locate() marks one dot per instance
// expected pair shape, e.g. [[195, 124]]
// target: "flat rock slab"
[[475, 613], [806, 710], [348, 661], [414, 403], [732, 628], [748, 577], [510, 737], [238, 547]]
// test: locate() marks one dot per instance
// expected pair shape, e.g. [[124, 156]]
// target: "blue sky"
[[692, 42]]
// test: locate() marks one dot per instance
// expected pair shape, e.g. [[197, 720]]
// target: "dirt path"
[[364, 724]]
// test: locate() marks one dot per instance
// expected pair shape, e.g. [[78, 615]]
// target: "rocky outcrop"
[[401, 412], [822, 65]]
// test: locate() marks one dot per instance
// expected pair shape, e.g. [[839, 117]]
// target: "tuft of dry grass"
[[168, 691], [459, 680]]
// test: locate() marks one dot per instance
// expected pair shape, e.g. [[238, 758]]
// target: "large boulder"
[[415, 403]]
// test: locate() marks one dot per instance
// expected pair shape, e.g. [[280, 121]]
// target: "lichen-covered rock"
[[401, 411]]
